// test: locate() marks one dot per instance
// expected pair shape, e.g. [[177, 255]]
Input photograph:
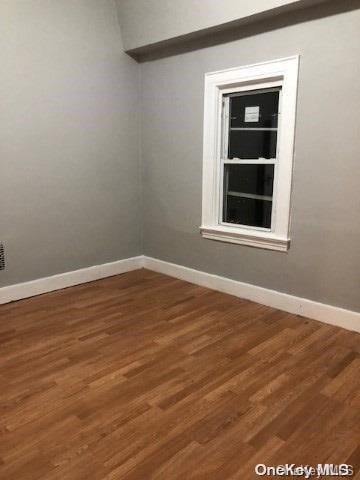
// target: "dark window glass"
[[248, 193], [248, 188], [252, 144], [248, 211], [253, 179], [268, 103]]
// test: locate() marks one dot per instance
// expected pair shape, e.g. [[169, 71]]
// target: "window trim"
[[282, 72]]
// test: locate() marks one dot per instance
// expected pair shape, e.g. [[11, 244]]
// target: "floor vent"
[[2, 257]]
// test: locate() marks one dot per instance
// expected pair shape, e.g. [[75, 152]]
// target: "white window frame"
[[283, 73]]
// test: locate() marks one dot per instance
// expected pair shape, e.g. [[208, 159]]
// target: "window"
[[248, 153]]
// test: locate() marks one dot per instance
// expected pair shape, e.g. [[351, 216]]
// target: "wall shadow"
[[257, 24]]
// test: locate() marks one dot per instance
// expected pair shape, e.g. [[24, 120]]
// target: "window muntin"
[[253, 179]]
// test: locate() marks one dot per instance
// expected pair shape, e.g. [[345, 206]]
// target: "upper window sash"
[[226, 119]]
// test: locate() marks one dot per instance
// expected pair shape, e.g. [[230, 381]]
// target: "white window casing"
[[273, 74]]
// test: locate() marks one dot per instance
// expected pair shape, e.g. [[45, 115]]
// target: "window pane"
[[248, 191], [248, 211], [252, 144], [243, 114], [253, 179]]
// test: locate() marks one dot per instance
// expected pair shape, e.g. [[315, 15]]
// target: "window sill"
[[243, 237]]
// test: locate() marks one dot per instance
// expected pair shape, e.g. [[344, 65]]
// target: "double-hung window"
[[248, 153]]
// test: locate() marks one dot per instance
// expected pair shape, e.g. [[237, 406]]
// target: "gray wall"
[[145, 22], [323, 262], [70, 176], [70, 193]]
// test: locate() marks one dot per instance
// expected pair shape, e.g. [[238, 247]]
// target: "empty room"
[[179, 239]]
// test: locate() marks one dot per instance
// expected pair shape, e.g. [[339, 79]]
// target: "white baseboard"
[[282, 301], [68, 279]]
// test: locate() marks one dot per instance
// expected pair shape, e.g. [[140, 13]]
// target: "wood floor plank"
[[142, 376]]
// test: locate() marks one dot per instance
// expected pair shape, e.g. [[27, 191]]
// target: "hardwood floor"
[[142, 376]]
